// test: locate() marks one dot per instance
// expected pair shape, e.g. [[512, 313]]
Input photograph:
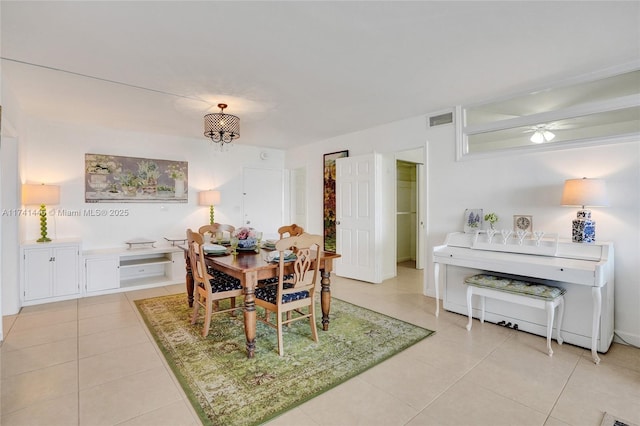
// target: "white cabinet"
[[50, 271], [102, 273], [119, 269]]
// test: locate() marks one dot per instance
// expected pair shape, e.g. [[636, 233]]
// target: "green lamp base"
[[43, 225]]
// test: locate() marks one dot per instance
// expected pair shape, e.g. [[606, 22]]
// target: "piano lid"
[[549, 245]]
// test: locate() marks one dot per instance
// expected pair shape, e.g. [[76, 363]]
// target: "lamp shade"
[[40, 194], [585, 192], [208, 198]]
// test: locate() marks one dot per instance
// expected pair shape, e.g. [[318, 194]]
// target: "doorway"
[[410, 208]]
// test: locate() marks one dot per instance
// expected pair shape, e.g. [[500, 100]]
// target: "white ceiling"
[[295, 72]]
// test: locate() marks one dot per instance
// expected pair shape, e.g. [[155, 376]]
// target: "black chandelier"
[[220, 127]]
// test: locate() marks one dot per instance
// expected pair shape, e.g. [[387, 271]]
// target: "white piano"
[[584, 270]]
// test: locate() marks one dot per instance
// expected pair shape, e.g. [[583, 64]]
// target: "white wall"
[[526, 183], [54, 153]]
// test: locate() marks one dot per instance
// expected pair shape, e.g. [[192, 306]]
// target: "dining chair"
[[210, 286], [291, 296], [290, 230], [216, 227]]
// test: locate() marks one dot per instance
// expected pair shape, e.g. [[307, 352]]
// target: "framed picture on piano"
[[473, 220]]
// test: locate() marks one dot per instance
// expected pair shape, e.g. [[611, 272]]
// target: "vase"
[[98, 182], [179, 188]]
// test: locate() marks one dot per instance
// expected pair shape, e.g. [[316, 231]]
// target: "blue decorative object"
[[583, 229]]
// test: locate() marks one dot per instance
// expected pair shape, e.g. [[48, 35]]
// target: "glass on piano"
[[521, 233], [506, 233], [490, 234], [538, 236]]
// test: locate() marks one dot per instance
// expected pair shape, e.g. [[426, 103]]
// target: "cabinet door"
[[102, 273], [37, 273], [65, 271]]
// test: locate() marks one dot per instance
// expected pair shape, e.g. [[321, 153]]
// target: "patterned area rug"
[[227, 388]]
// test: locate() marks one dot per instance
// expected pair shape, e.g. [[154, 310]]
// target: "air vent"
[[438, 120]]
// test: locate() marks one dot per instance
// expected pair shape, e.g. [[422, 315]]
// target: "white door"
[[262, 199], [356, 218], [299, 197]]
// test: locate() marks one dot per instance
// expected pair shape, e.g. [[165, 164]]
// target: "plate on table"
[[269, 245], [215, 249], [274, 256]]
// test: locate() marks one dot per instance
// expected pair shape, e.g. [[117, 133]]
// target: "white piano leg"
[[482, 309], [560, 317], [436, 273], [469, 307], [597, 311], [550, 313]]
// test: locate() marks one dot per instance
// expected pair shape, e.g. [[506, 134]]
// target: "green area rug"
[[227, 388]]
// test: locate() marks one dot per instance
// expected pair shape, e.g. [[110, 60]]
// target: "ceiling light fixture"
[[220, 127], [542, 134]]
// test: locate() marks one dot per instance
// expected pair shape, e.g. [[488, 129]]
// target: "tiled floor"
[[92, 362]]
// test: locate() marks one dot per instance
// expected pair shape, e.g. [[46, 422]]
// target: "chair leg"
[[207, 318], [312, 318], [196, 309], [233, 306], [279, 327]]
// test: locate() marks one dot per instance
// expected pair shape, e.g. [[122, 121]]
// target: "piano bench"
[[524, 293]]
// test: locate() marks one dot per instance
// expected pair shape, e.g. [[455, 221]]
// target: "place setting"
[[215, 250]]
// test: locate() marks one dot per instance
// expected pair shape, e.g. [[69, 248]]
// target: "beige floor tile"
[[295, 417], [16, 340], [106, 341], [45, 318], [31, 388], [175, 414], [59, 411], [146, 293], [410, 380], [107, 322], [595, 389], [468, 404], [38, 357], [621, 355], [105, 298], [107, 308], [552, 421], [121, 362], [124, 399], [357, 402], [7, 323], [49, 307], [520, 369]]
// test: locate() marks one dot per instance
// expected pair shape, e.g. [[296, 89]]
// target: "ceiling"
[[295, 72]]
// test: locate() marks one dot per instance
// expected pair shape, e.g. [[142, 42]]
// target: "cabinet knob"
[[52, 259]]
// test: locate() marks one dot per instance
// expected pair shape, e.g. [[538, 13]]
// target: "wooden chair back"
[[306, 267], [292, 230], [215, 228]]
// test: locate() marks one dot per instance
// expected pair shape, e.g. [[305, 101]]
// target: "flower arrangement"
[[174, 171], [148, 172], [101, 164], [246, 237], [492, 218]]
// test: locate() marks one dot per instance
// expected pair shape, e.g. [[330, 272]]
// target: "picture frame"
[[523, 222], [117, 179], [329, 198], [473, 220]]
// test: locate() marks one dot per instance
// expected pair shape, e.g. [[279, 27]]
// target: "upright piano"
[[586, 271]]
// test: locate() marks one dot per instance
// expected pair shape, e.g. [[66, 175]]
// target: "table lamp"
[[584, 193], [209, 198], [41, 195]]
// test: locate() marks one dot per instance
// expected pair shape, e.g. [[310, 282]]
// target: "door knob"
[[338, 222]]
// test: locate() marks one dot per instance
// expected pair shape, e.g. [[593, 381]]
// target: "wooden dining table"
[[251, 266]]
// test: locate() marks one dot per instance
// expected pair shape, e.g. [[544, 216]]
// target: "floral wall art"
[[111, 178], [329, 199]]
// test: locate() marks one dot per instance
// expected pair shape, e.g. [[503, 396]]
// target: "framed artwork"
[[473, 219], [114, 179], [522, 223], [329, 198]]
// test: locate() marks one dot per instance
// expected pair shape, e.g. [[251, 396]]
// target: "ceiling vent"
[[439, 120]]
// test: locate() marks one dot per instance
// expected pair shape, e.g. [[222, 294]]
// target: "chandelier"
[[220, 127]]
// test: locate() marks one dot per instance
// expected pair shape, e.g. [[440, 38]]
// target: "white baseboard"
[[626, 338]]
